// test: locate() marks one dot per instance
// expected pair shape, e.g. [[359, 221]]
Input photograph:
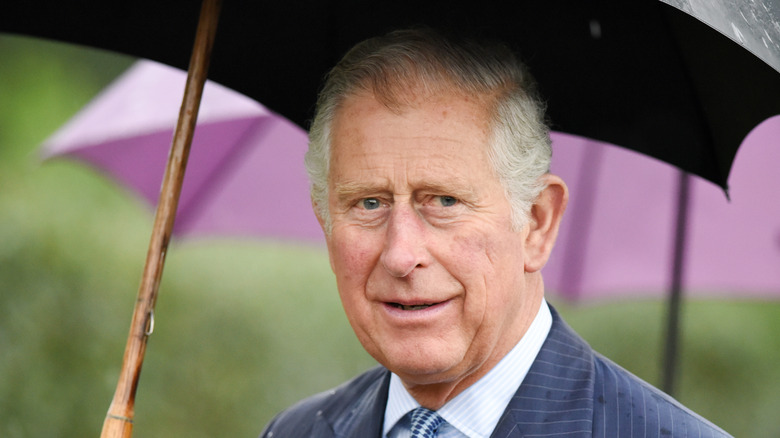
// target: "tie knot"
[[425, 423]]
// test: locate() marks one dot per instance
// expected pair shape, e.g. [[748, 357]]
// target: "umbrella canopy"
[[618, 236], [245, 175], [644, 75]]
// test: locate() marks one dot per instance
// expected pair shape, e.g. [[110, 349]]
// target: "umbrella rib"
[[705, 129], [207, 189]]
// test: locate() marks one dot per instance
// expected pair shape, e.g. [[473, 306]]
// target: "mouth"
[[411, 307]]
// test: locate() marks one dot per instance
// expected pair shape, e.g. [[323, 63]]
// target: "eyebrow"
[[347, 191], [458, 188]]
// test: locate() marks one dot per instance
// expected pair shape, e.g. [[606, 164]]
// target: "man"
[[429, 160]]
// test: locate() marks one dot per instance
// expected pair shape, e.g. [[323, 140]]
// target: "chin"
[[424, 370]]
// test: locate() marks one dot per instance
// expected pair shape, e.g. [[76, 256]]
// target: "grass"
[[243, 329]]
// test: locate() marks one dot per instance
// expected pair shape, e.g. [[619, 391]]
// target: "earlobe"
[[545, 218]]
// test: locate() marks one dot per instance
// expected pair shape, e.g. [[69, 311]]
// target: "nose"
[[405, 244]]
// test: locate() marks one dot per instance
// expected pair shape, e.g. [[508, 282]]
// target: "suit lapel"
[[556, 396], [365, 416]]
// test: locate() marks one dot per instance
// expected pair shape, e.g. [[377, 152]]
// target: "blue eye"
[[371, 203], [447, 201]]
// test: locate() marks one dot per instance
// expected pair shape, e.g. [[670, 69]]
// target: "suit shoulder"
[[627, 404], [313, 416]]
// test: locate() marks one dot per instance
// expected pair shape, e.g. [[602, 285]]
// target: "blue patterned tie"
[[425, 423]]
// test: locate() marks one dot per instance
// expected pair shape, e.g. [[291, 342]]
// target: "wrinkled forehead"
[[440, 145], [424, 126], [434, 114]]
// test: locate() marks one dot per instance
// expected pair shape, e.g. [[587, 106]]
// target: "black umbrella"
[[641, 74]]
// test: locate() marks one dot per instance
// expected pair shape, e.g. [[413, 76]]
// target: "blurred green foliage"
[[243, 329]]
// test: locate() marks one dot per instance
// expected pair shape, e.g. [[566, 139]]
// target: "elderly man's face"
[[429, 268]]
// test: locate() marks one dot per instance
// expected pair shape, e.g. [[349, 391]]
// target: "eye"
[[370, 203], [447, 201]]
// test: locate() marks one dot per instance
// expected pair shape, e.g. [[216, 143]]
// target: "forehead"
[[434, 137], [414, 111]]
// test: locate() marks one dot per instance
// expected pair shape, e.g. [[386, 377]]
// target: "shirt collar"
[[476, 410]]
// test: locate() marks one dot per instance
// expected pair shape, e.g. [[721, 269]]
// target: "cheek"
[[468, 262], [352, 257], [475, 254], [489, 266]]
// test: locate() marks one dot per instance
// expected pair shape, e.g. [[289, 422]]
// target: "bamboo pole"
[[120, 416]]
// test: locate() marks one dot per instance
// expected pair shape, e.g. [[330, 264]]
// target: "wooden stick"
[[119, 419]]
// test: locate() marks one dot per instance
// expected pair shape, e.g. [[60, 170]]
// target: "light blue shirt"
[[475, 412]]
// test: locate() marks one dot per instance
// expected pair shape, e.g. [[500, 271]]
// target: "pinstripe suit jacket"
[[570, 391]]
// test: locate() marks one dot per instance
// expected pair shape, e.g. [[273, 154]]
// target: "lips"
[[411, 307]]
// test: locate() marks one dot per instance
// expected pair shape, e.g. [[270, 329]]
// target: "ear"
[[545, 218]]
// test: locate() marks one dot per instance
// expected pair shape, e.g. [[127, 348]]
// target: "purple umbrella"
[[245, 175], [618, 235], [624, 235]]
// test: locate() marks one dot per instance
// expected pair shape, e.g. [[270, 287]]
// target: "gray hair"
[[394, 66]]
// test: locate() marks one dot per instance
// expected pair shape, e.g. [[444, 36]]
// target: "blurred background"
[[244, 328]]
